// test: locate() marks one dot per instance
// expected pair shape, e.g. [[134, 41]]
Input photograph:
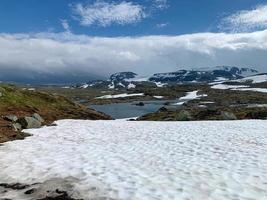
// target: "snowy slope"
[[255, 79], [120, 96], [144, 160]]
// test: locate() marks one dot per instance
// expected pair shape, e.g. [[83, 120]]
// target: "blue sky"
[[76, 40], [179, 17]]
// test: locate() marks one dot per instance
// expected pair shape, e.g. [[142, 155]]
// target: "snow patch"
[[120, 96], [158, 97], [226, 87], [193, 95], [255, 79], [131, 85], [263, 90]]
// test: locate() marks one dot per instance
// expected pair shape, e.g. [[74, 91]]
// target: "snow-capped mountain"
[[130, 80], [218, 73], [122, 76]]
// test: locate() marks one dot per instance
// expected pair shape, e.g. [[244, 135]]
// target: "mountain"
[[218, 73], [130, 80]]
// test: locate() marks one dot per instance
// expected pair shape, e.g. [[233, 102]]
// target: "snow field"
[[215, 160]]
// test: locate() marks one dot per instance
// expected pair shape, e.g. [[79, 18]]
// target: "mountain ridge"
[[130, 79]]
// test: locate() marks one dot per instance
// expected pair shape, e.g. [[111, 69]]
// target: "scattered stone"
[[30, 191], [184, 116], [29, 122], [140, 104], [228, 116], [11, 118], [38, 117], [167, 103], [15, 186], [16, 127], [163, 109]]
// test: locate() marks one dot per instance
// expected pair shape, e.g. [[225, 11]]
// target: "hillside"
[[24, 102], [129, 80]]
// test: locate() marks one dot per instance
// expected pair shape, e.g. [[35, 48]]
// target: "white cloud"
[[161, 4], [59, 53], [104, 14], [162, 25], [65, 25], [246, 20]]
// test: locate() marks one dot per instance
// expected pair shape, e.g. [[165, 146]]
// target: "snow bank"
[[255, 79], [158, 97], [263, 90], [131, 85], [120, 96], [145, 160], [192, 95], [226, 87]]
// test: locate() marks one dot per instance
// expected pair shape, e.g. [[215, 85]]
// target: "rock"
[[168, 119], [228, 116], [140, 104], [11, 118], [29, 122], [16, 127], [163, 109], [167, 103], [184, 116], [38, 117]]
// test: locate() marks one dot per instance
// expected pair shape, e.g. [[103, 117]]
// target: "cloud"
[[58, 54], [105, 14], [65, 25], [246, 20], [161, 4], [162, 25]]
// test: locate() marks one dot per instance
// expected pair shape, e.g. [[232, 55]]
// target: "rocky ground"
[[216, 105], [20, 103]]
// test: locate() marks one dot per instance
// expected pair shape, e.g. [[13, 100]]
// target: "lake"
[[128, 110]]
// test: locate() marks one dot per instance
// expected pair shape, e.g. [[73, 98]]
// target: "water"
[[128, 110]]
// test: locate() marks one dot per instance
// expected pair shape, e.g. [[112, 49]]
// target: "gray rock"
[[38, 117], [29, 122], [168, 119], [184, 116], [16, 127], [163, 109], [228, 116], [140, 104], [11, 118]]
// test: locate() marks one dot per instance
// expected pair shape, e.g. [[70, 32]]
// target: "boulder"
[[11, 118], [29, 122], [38, 117], [167, 103], [184, 116], [140, 104], [163, 109], [16, 127], [228, 115]]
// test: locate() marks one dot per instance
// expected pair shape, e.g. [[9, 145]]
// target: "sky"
[[76, 40]]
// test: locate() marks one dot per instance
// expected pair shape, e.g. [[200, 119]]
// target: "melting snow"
[[192, 95], [263, 90], [120, 96], [131, 85], [255, 79], [226, 87], [158, 97], [144, 160]]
